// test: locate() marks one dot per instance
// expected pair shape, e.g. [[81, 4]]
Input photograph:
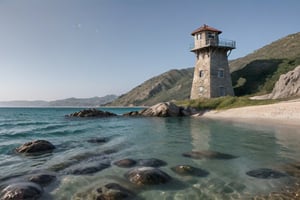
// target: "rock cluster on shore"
[[166, 109]]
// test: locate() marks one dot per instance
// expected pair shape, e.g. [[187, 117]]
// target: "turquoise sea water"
[[137, 138]]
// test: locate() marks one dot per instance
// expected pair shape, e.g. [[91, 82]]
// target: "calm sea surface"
[[137, 138]]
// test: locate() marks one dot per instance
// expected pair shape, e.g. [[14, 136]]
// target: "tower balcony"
[[222, 43]]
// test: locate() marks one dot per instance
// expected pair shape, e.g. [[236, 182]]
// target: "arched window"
[[201, 73]]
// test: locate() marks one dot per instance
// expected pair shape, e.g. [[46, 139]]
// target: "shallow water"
[[137, 138]]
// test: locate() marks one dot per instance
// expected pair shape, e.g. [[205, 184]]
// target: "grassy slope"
[[223, 103]]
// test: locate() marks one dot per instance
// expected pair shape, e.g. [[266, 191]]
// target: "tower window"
[[201, 74], [210, 35], [220, 73], [222, 91]]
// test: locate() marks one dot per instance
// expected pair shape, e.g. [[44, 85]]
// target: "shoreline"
[[283, 113]]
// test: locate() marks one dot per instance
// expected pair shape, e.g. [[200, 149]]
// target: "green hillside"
[[255, 73], [174, 84], [258, 72]]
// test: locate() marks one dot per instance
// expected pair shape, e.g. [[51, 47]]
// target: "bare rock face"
[[36, 146], [288, 85]]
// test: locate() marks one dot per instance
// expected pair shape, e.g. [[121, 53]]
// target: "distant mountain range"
[[70, 102], [256, 73]]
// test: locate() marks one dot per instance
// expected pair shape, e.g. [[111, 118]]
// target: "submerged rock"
[[151, 162], [208, 154], [97, 140], [113, 191], [125, 163], [89, 165], [21, 191], [166, 109], [265, 173], [187, 170], [36, 146], [42, 179], [91, 113], [147, 176]]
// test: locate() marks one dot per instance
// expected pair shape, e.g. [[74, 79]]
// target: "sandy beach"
[[283, 113]]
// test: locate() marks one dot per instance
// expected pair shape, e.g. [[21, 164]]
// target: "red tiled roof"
[[205, 28]]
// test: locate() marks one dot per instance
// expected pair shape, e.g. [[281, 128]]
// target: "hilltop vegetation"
[[253, 74], [171, 85]]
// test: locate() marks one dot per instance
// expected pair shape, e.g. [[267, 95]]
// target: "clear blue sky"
[[54, 49]]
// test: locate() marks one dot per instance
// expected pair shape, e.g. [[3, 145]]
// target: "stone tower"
[[211, 75]]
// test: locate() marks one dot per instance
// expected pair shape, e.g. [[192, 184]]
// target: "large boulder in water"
[[166, 109], [91, 113], [20, 191], [147, 176], [36, 146]]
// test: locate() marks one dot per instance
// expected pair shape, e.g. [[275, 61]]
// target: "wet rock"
[[113, 191], [21, 191], [265, 173], [36, 146], [97, 140], [166, 109], [125, 163], [91, 113], [151, 162], [187, 170], [42, 179], [132, 113], [208, 154], [147, 176]]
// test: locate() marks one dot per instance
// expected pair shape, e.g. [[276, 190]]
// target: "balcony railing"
[[213, 42]]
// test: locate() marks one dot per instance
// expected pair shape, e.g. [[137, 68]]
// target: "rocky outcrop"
[[91, 113], [36, 146], [288, 85], [166, 109]]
